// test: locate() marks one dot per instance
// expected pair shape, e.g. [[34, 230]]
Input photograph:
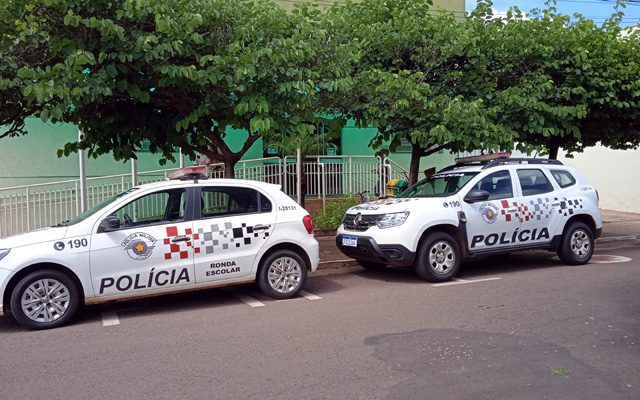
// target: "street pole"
[[299, 175], [181, 159], [83, 176], [134, 172]]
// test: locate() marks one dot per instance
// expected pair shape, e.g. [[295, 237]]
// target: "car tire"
[[371, 265], [577, 245], [44, 299], [282, 275], [438, 258]]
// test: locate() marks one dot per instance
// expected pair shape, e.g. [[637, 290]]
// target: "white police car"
[[158, 238], [477, 206]]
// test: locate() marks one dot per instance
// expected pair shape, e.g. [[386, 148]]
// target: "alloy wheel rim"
[[580, 244], [45, 300], [284, 275], [441, 257]]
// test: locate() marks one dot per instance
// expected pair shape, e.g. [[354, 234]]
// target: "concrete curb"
[[349, 262], [617, 238]]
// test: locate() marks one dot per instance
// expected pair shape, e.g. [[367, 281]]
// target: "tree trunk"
[[553, 147], [414, 164], [229, 168]]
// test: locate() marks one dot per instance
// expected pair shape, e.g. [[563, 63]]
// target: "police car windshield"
[[95, 209], [439, 185]]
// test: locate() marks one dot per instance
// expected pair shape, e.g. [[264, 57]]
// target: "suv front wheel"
[[438, 258], [577, 244]]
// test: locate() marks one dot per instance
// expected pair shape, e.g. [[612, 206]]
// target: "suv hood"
[[391, 205], [33, 237]]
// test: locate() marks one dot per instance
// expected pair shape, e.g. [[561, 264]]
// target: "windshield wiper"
[[63, 223]]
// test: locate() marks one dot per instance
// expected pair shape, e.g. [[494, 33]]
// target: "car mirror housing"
[[109, 224], [476, 195]]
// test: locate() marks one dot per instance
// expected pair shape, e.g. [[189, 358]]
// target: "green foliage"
[[332, 216], [179, 72], [419, 77], [174, 72], [563, 82]]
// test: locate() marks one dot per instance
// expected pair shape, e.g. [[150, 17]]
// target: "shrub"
[[331, 217]]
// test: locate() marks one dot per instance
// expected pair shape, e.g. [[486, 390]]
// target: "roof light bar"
[[186, 173]]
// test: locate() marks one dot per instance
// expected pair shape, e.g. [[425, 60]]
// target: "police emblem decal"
[[139, 245], [489, 212]]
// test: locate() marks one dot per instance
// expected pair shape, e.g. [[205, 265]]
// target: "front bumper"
[[368, 250]]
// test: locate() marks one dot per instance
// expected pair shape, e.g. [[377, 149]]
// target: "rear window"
[[564, 178]]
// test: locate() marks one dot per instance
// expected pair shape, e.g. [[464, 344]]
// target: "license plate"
[[350, 241]]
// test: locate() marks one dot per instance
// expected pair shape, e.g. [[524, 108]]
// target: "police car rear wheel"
[[282, 275], [577, 244], [44, 299], [438, 258]]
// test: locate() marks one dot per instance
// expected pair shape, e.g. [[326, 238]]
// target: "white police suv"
[[476, 207], [177, 235]]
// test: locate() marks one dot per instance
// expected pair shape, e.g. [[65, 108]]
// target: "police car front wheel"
[[577, 244], [282, 275], [44, 299], [438, 257]]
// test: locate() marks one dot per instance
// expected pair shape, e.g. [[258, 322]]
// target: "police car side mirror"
[[476, 195], [109, 224]]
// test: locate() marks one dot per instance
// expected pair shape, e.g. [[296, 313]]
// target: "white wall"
[[614, 173]]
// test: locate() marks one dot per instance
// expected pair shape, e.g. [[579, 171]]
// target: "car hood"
[[33, 237], [394, 205]]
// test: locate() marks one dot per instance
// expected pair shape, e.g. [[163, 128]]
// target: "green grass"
[[560, 372]]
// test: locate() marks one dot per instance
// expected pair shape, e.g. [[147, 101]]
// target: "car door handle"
[[180, 238], [260, 227], [512, 209], [555, 204]]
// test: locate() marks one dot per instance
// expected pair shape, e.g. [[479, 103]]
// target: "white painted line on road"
[[110, 318], [462, 281], [250, 301], [310, 296]]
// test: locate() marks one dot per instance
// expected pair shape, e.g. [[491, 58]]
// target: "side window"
[[533, 181], [154, 208], [497, 184], [564, 178], [222, 201]]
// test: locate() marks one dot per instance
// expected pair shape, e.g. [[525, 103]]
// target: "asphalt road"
[[517, 327]]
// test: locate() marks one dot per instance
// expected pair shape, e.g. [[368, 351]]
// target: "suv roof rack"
[[507, 160], [495, 159]]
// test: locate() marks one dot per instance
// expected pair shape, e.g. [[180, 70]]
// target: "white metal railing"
[[29, 207]]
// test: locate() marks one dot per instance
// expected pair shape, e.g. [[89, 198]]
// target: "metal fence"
[[25, 208]]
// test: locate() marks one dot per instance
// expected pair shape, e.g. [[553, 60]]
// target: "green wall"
[[32, 159]]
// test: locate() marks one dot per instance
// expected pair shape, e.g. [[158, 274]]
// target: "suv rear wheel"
[[577, 244], [438, 258]]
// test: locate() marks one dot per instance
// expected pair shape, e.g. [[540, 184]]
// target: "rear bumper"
[[312, 247], [597, 233], [368, 250]]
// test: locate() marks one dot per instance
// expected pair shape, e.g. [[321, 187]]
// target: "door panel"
[[492, 224], [235, 224], [144, 254]]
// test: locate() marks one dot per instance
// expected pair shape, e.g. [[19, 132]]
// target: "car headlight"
[[393, 219], [4, 252]]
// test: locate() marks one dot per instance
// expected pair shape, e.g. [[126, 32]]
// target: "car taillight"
[[308, 224]]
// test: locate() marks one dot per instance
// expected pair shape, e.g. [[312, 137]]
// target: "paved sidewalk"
[[618, 226]]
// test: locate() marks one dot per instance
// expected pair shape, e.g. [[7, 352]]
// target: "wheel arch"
[[584, 218], [37, 267], [286, 246], [450, 229]]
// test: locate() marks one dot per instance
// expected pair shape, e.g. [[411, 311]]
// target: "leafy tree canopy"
[[175, 72], [419, 77]]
